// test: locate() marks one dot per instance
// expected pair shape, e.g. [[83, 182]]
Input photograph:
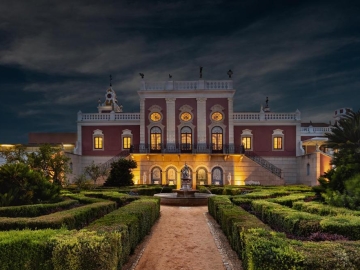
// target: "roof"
[[52, 138]]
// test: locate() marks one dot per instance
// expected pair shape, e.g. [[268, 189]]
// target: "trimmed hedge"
[[290, 199], [36, 210], [286, 219], [72, 219], [133, 221], [233, 220], [27, 250], [266, 249], [105, 244], [120, 198], [323, 209], [58, 250]]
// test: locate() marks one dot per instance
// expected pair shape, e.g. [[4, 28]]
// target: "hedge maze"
[[90, 230], [283, 228]]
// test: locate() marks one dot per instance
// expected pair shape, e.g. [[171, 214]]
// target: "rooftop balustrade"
[[186, 85], [108, 116], [268, 116]]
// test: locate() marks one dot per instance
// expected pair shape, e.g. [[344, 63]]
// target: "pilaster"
[[201, 121], [142, 122], [170, 121]]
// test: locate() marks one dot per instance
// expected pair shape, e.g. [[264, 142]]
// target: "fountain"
[[185, 196]]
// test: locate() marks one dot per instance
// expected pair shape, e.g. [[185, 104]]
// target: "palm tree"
[[346, 133], [345, 140]]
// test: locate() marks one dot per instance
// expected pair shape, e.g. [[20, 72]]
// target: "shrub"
[[20, 185]]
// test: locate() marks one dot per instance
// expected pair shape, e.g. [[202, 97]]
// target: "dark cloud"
[[55, 57]]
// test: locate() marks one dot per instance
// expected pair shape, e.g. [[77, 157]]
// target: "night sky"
[[56, 56]]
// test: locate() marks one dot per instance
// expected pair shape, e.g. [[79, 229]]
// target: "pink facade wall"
[[262, 139], [178, 104], [161, 102], [210, 102], [112, 139]]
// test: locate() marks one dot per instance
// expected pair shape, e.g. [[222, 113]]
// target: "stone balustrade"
[[186, 85], [108, 116], [315, 130], [261, 116]]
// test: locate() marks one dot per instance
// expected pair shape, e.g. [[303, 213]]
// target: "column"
[[201, 123], [231, 125], [170, 124], [142, 125]]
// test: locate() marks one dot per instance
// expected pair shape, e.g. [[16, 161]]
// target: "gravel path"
[[184, 238]]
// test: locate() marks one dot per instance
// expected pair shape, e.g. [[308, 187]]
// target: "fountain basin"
[[195, 199]]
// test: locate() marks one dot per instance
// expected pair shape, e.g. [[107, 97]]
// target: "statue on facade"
[[144, 177], [142, 75], [229, 178], [201, 68]]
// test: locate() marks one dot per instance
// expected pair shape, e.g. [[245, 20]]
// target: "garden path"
[[184, 238]]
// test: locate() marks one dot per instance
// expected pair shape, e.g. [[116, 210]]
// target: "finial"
[[110, 80], [230, 73], [142, 75], [201, 68]]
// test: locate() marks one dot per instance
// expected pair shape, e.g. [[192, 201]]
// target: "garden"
[[45, 223]]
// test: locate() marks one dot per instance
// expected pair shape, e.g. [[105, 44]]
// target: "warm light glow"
[[7, 145]]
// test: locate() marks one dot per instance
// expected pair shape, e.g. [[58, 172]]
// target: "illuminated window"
[[278, 143], [127, 139], [217, 139], [186, 138], [126, 142], [246, 141], [278, 140], [155, 138], [98, 142]]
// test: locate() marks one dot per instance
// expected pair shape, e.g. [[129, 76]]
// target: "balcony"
[[186, 148]]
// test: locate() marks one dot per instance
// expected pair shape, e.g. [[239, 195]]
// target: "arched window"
[[217, 138], [217, 176], [156, 176], [155, 139], [201, 176], [171, 176], [186, 139]]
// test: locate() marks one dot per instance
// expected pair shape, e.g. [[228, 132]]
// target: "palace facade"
[[193, 123]]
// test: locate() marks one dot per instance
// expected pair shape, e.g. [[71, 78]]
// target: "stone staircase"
[[264, 163]]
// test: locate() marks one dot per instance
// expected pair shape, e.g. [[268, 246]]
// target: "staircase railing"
[[122, 154], [264, 163]]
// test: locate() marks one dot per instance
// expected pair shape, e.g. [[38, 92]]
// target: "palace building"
[[193, 123]]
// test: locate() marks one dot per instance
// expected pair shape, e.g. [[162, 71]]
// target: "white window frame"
[[126, 133], [97, 133], [247, 133], [278, 133]]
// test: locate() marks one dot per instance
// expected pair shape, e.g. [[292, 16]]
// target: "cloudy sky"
[[56, 56]]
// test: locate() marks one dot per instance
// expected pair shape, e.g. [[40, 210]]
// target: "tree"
[[14, 154], [95, 171], [20, 185], [345, 140], [121, 174], [51, 161]]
